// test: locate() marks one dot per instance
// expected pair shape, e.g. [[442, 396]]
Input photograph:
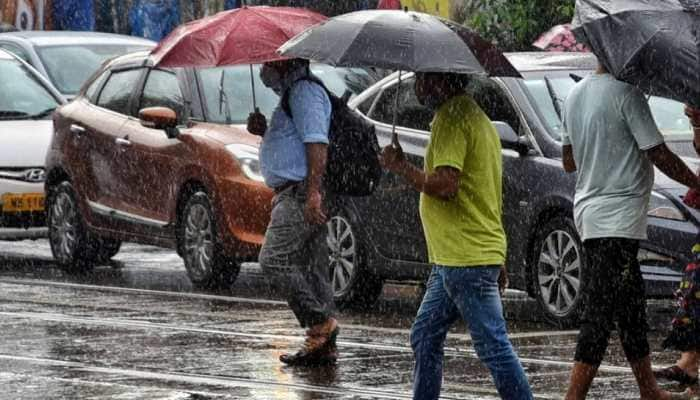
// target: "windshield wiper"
[[553, 96], [12, 114]]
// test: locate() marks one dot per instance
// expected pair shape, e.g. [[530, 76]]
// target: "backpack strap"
[[286, 107]]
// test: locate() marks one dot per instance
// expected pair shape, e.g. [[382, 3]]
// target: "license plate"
[[23, 202]]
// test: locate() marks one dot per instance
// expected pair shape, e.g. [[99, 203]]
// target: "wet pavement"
[[137, 329]]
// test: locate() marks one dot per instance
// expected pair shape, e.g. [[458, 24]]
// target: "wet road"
[[136, 329]]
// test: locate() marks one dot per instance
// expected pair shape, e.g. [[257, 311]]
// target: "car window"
[[493, 101], [410, 113], [117, 91], [69, 66], [539, 90], [237, 91], [92, 90], [668, 114], [16, 50], [23, 95], [366, 106], [162, 90]]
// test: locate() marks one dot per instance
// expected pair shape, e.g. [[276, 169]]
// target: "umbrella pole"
[[252, 85], [394, 137]]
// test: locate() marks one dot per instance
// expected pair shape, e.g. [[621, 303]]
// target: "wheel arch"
[[188, 188], [54, 177]]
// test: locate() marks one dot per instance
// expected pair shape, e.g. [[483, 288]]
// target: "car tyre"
[[107, 248], [354, 285], [206, 264], [71, 243], [558, 271]]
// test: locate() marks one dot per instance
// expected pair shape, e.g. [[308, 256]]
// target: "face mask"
[[271, 78]]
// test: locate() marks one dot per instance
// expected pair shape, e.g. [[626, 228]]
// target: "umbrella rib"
[[639, 49]]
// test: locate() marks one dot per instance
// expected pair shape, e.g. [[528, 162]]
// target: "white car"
[[27, 101], [67, 59]]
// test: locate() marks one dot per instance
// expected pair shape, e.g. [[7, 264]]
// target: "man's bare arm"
[[316, 154], [443, 183], [671, 165], [568, 158]]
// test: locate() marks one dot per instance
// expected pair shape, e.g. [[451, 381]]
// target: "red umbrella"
[[247, 35], [560, 38], [389, 5]]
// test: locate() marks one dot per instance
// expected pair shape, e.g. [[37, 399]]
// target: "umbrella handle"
[[252, 85], [395, 137]]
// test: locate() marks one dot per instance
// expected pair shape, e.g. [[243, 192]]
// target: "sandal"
[[676, 373]]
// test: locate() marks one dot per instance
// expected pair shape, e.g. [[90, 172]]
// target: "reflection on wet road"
[[137, 329]]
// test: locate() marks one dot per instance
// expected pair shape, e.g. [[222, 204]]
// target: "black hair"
[[456, 81]]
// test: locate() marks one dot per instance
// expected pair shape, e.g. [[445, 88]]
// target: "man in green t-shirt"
[[460, 207]]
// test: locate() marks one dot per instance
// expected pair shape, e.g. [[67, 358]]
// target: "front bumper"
[[664, 256], [244, 213]]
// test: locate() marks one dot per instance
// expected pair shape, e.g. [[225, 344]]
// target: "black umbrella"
[[652, 44], [401, 40]]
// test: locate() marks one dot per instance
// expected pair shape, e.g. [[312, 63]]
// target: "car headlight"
[[661, 206], [247, 156]]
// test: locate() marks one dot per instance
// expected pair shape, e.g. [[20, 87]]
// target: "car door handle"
[[77, 130], [122, 142]]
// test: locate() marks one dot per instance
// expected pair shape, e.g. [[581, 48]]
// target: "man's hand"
[[693, 114], [393, 159], [503, 280], [257, 123], [313, 211]]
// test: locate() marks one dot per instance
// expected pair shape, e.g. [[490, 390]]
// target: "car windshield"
[[668, 114], [69, 66], [237, 93], [23, 95]]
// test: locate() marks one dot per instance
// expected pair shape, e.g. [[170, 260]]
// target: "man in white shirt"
[[613, 142]]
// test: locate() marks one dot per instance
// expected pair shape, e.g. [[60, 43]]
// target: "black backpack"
[[352, 167]]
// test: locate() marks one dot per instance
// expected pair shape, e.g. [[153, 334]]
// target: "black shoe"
[[676, 373], [314, 353]]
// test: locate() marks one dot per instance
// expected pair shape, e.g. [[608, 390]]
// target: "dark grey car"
[[544, 253]]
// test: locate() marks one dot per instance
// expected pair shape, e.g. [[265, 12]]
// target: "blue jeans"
[[470, 293]]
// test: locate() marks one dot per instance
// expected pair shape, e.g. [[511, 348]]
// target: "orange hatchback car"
[[162, 157]]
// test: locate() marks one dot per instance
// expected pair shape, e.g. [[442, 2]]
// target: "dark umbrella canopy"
[[399, 40], [653, 44]]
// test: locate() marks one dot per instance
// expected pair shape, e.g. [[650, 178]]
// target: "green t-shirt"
[[465, 231]]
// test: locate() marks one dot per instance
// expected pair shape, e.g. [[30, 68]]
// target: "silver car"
[[67, 59]]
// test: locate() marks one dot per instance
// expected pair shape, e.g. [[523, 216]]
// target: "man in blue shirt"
[[293, 160]]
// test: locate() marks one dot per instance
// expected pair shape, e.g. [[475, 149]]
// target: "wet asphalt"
[[137, 329]]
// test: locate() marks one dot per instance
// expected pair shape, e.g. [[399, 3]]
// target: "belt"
[[284, 186]]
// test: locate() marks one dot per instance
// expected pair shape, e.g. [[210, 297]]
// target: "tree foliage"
[[515, 24]]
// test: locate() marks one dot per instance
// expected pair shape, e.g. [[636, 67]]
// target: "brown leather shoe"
[[319, 348]]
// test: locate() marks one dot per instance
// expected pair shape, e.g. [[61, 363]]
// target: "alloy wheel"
[[199, 242], [559, 272], [64, 227], [342, 248]]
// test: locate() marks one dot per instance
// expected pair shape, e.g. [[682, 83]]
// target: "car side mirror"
[[160, 118], [510, 140]]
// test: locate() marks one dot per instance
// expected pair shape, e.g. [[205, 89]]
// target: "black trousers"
[[614, 295]]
